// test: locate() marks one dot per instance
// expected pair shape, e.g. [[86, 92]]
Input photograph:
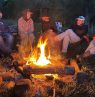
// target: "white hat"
[[81, 18]]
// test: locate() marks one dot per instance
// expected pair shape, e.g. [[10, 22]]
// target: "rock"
[[21, 87], [82, 77], [8, 76]]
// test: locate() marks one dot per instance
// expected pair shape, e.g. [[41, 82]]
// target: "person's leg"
[[9, 40], [69, 37], [4, 49], [23, 47], [23, 39], [31, 39], [72, 36], [65, 44], [61, 36]]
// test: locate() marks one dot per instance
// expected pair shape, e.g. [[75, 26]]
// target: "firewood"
[[51, 70]]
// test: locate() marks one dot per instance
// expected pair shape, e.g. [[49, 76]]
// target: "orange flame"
[[43, 60]]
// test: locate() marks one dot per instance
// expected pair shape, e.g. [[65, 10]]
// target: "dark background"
[[59, 10]]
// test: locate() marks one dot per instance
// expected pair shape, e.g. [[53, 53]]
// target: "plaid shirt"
[[25, 26]]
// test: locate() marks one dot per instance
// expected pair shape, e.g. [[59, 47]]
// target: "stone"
[[21, 87], [8, 76], [82, 77]]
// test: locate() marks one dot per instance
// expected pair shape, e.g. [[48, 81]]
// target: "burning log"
[[26, 71], [50, 70], [43, 63]]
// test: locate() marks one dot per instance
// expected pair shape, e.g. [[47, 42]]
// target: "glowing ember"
[[43, 60]]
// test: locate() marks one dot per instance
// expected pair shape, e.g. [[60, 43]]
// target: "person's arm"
[[90, 46], [20, 27], [86, 54], [90, 50], [32, 26]]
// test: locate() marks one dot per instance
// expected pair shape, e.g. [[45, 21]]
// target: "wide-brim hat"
[[27, 10]]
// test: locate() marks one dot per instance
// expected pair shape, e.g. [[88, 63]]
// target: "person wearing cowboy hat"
[[46, 23], [73, 35], [26, 29]]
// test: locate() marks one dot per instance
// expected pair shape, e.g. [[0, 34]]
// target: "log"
[[51, 70], [26, 71]]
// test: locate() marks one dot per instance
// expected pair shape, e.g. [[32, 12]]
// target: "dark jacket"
[[3, 27], [80, 30]]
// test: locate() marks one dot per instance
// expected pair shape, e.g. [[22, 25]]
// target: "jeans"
[[6, 42]]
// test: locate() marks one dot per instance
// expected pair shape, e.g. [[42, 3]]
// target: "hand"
[[86, 38], [86, 54]]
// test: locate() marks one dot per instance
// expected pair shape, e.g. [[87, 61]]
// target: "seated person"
[[88, 57], [46, 23], [73, 35], [6, 38], [53, 46], [90, 51]]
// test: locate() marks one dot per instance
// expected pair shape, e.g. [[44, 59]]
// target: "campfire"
[[43, 60], [42, 69]]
